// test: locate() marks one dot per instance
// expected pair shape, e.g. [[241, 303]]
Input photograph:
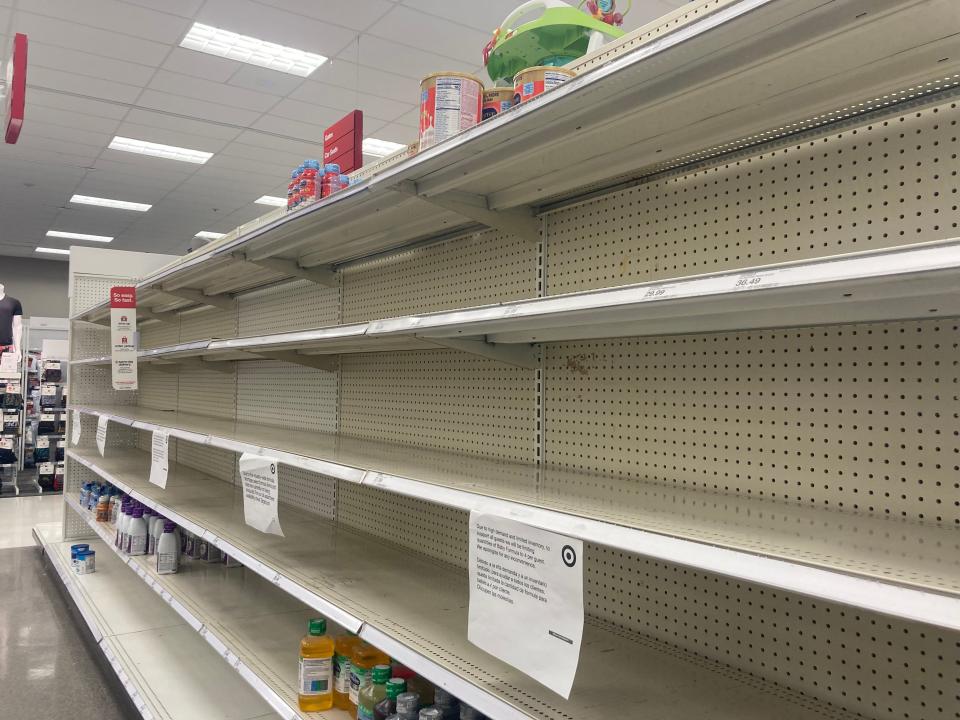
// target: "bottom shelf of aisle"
[[415, 609], [253, 626], [165, 665]]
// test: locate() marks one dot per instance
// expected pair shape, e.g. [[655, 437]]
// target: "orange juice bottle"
[[315, 691], [364, 657], [341, 669]]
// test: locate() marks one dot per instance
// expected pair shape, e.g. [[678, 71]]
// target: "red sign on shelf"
[[16, 89], [343, 142]]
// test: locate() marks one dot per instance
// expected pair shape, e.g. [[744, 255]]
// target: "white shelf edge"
[[69, 582], [225, 650], [887, 598]]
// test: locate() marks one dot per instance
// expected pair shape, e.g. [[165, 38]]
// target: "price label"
[[658, 293], [276, 578], [752, 281]]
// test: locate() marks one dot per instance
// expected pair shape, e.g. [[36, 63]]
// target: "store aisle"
[[47, 668], [18, 515]]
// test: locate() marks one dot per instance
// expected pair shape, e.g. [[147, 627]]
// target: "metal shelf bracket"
[[329, 363], [517, 221], [175, 365], [525, 356], [224, 302], [319, 275]]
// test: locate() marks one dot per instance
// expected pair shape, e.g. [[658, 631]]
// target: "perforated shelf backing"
[[91, 290], [284, 395], [299, 305], [858, 417], [890, 183], [444, 399], [475, 269]]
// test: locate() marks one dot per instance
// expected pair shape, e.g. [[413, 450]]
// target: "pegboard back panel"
[[433, 530], [444, 399], [299, 305], [91, 290], [208, 392], [476, 269], [857, 417], [216, 462], [88, 340], [285, 395], [158, 389], [889, 183], [207, 323], [92, 384], [307, 490], [160, 334], [872, 665]]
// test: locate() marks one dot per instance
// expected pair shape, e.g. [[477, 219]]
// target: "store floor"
[[49, 667]]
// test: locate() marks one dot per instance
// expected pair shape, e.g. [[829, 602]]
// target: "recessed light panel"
[[79, 236], [271, 200], [251, 50], [207, 235], [168, 152], [52, 251], [107, 203]]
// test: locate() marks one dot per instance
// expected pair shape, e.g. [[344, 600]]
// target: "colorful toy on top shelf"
[[561, 34], [606, 10]]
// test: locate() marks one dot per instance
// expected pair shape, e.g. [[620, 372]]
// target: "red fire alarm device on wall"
[[15, 102], [343, 142]]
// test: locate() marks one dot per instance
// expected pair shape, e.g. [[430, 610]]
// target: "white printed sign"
[[526, 598], [9, 362], [75, 428], [159, 458], [260, 492], [123, 329], [102, 433]]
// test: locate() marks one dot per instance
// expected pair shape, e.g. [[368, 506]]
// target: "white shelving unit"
[[164, 663], [697, 308]]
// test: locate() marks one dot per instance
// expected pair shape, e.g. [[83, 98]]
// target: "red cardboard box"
[[343, 142]]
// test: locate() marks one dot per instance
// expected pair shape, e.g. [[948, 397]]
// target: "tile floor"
[[48, 664]]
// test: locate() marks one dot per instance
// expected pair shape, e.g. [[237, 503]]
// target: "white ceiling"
[[100, 68]]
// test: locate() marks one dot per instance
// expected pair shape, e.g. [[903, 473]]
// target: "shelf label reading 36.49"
[[526, 598]]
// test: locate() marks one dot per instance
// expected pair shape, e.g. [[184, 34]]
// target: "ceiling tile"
[[54, 31], [81, 85], [432, 33], [70, 105], [347, 74], [395, 132], [79, 121], [117, 17], [308, 132], [265, 80], [380, 53], [197, 109], [81, 63], [184, 8], [219, 93], [483, 16], [345, 100], [276, 26], [74, 134], [202, 65], [356, 14], [177, 124], [171, 137]]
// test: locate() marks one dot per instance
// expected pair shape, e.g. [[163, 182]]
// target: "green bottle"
[[373, 693]]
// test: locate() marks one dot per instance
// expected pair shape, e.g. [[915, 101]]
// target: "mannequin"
[[11, 324]]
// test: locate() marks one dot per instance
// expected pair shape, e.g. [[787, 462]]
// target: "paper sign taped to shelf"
[[123, 330], [526, 598], [102, 433], [9, 362], [159, 458], [75, 428], [261, 489]]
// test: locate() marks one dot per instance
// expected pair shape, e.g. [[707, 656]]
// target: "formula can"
[[449, 103], [495, 101], [537, 80], [86, 562]]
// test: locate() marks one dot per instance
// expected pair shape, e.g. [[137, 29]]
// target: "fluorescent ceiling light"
[[79, 236], [380, 148], [223, 43], [207, 235], [52, 251], [271, 200], [106, 202], [168, 152]]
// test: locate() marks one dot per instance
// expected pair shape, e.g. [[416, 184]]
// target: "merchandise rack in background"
[[479, 327]]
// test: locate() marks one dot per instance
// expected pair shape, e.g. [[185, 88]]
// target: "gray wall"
[[40, 285]]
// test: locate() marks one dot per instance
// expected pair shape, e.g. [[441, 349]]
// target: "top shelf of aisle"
[[736, 73]]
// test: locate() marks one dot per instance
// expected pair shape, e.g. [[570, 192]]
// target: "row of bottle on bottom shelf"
[[350, 674], [141, 530]]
